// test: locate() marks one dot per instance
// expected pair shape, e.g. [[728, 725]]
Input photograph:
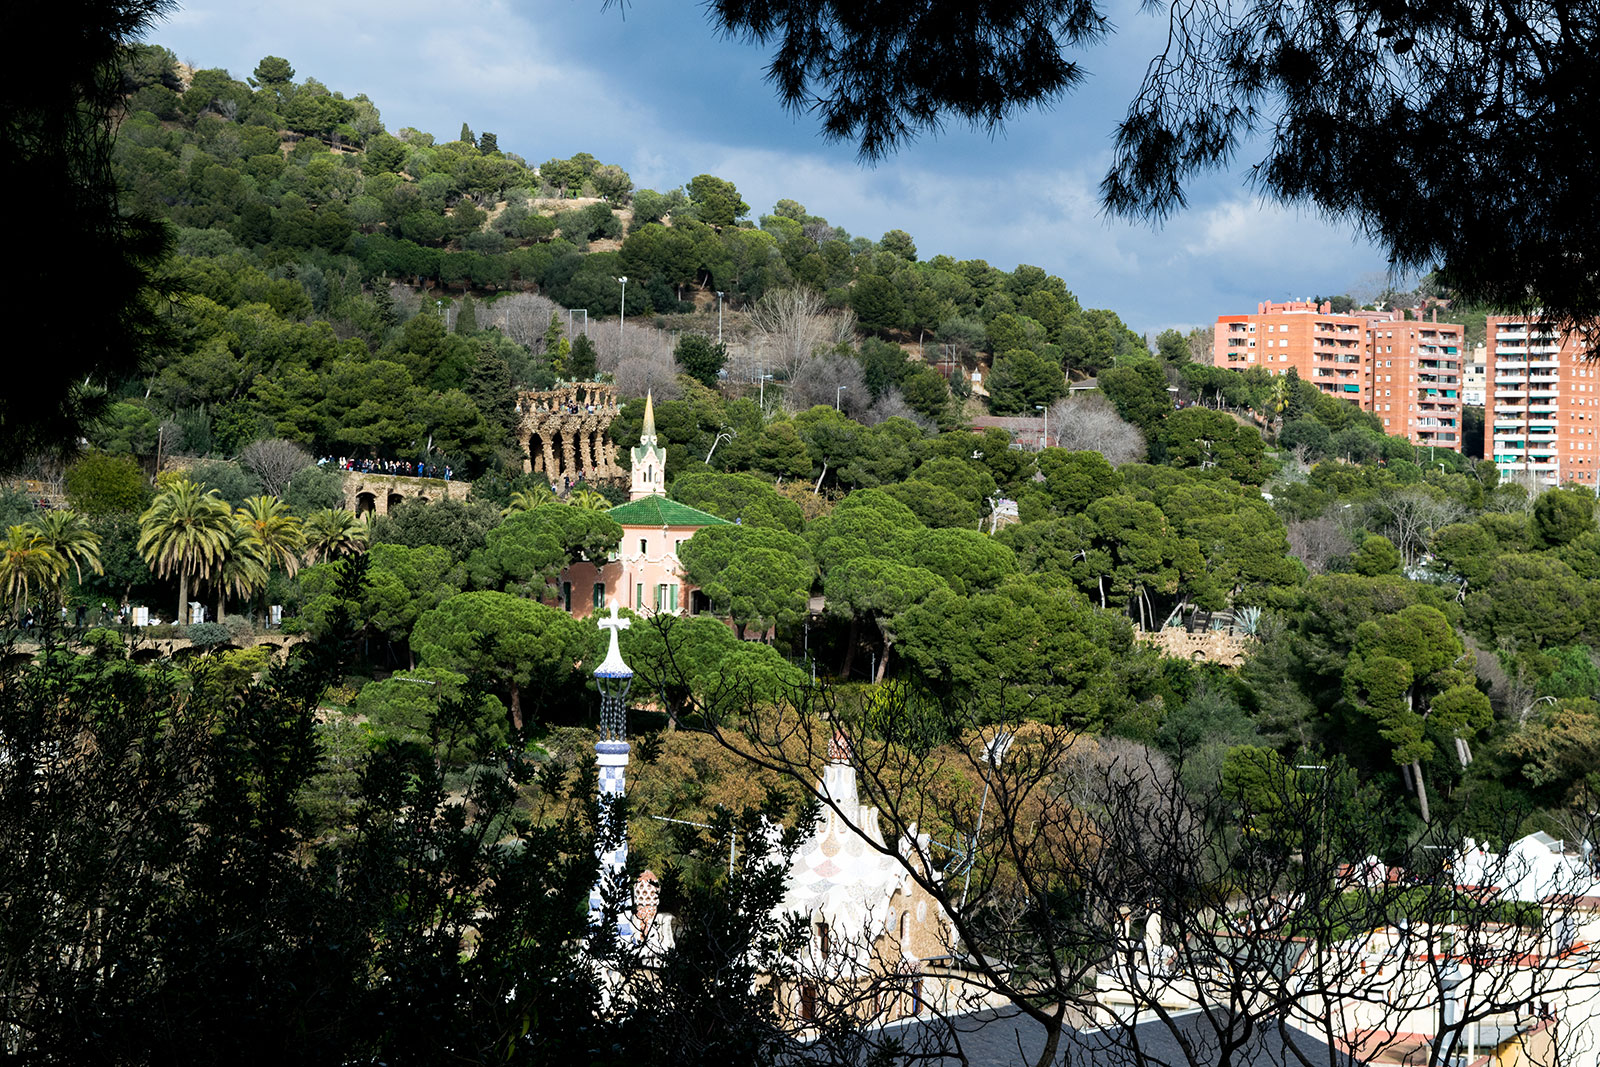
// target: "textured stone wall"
[[364, 492], [563, 433], [1209, 646]]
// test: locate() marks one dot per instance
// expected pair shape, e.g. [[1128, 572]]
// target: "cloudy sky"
[[652, 87]]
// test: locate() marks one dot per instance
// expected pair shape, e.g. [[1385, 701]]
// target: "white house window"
[[667, 597]]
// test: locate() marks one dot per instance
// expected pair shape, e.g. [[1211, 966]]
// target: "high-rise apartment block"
[[1406, 372], [1415, 373], [1325, 349], [1542, 408]]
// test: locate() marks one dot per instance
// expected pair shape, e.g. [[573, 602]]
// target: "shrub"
[[205, 634]]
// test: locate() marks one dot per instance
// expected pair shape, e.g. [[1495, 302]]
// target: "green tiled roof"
[[659, 511]]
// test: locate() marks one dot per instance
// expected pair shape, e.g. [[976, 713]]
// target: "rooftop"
[[659, 511]]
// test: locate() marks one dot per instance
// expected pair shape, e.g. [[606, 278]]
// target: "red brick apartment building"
[[1415, 379], [1406, 372], [1541, 404]]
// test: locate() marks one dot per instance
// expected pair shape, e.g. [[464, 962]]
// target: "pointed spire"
[[649, 458]]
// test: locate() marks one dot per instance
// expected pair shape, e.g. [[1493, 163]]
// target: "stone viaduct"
[[366, 493], [564, 433]]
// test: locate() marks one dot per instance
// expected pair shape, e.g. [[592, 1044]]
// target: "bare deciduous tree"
[[1409, 516], [1088, 423], [818, 380], [274, 461], [1318, 541], [644, 364], [524, 317], [891, 405], [793, 323]]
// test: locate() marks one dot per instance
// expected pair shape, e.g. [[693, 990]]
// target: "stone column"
[[549, 457], [570, 453], [586, 447]]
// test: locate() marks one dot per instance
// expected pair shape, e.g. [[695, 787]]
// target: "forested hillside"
[[309, 237], [351, 292]]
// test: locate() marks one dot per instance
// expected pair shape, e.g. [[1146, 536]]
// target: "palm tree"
[[27, 562], [186, 529], [242, 567], [274, 529], [334, 532], [589, 500], [70, 535], [536, 497], [1279, 397]]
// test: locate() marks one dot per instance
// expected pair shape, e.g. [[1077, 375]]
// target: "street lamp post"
[[623, 310], [719, 316], [725, 435], [837, 393], [1044, 438], [993, 752]]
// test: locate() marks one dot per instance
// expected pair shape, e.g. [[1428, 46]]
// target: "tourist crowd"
[[389, 466]]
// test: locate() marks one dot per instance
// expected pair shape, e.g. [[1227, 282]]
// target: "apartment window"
[[644, 547], [566, 596], [638, 597], [824, 941], [599, 595]]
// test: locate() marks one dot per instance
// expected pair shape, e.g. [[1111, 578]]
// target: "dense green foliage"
[[1254, 497]]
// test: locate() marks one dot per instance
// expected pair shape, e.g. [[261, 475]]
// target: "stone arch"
[[366, 504], [1198, 655], [394, 499], [537, 449]]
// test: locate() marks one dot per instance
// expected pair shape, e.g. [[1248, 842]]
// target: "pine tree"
[[466, 134], [553, 334], [467, 320], [491, 386], [383, 301], [581, 364], [488, 142]]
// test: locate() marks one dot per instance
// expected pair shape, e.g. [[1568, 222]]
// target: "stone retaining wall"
[[1208, 646], [371, 492]]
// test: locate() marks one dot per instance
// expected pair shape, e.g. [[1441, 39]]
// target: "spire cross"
[[613, 677], [614, 622]]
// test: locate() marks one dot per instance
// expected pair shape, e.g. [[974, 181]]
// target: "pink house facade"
[[644, 573]]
